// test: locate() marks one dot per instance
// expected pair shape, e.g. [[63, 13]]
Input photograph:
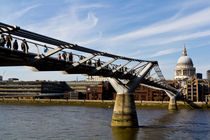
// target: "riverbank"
[[101, 103]]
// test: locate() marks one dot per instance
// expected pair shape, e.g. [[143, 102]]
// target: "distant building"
[[13, 79], [1, 78], [197, 89], [199, 75], [208, 74], [31, 89], [96, 78]]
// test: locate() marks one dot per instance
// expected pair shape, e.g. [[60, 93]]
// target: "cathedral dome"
[[184, 67], [185, 60]]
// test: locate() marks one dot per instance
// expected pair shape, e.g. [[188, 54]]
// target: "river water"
[[88, 123]]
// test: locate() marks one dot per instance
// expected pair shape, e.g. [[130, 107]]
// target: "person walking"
[[2, 40], [99, 63], [59, 56], [9, 41], [70, 57], [45, 49], [89, 62], [15, 45], [24, 46], [64, 55]]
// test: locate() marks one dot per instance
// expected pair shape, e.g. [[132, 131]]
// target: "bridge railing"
[[38, 49]]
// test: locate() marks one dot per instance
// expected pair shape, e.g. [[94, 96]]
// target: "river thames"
[[89, 123]]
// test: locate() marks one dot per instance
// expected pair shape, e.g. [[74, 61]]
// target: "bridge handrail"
[[41, 38]]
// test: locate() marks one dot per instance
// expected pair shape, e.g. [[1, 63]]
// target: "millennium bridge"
[[124, 73]]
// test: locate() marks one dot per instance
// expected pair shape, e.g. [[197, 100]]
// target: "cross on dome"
[[184, 51]]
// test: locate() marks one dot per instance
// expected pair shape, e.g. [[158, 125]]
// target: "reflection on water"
[[84, 123], [124, 133]]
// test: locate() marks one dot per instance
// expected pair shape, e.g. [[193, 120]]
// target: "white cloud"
[[175, 38], [67, 25], [164, 52], [17, 14], [195, 20]]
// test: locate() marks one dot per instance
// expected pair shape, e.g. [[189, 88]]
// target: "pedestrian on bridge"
[[45, 49], [98, 62], [15, 45], [89, 62], [59, 56], [2, 41], [64, 55], [9, 41], [24, 46], [70, 57]]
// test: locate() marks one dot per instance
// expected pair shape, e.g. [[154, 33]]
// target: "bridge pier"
[[124, 114], [172, 104]]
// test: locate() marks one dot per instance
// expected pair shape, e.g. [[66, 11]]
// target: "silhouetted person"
[[99, 63], [59, 56], [2, 41], [24, 46], [64, 55], [9, 41], [70, 57], [89, 62], [15, 45], [45, 49]]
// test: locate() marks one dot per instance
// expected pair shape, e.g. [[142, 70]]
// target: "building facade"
[[208, 74], [197, 89]]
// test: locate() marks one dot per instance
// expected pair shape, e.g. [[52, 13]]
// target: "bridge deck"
[[10, 57]]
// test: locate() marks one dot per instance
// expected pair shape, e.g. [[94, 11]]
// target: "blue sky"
[[144, 29]]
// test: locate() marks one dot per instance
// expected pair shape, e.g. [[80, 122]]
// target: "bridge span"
[[124, 73]]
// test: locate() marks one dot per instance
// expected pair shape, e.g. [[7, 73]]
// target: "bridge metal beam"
[[7, 29], [132, 68], [84, 60], [118, 68], [53, 51], [106, 64], [135, 82]]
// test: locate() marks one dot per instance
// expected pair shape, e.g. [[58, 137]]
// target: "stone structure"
[[184, 69]]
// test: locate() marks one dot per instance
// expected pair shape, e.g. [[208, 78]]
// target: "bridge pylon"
[[124, 113], [172, 102]]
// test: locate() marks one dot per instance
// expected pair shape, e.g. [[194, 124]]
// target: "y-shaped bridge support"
[[124, 114], [172, 102]]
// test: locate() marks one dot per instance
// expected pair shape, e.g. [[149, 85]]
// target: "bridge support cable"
[[159, 73]]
